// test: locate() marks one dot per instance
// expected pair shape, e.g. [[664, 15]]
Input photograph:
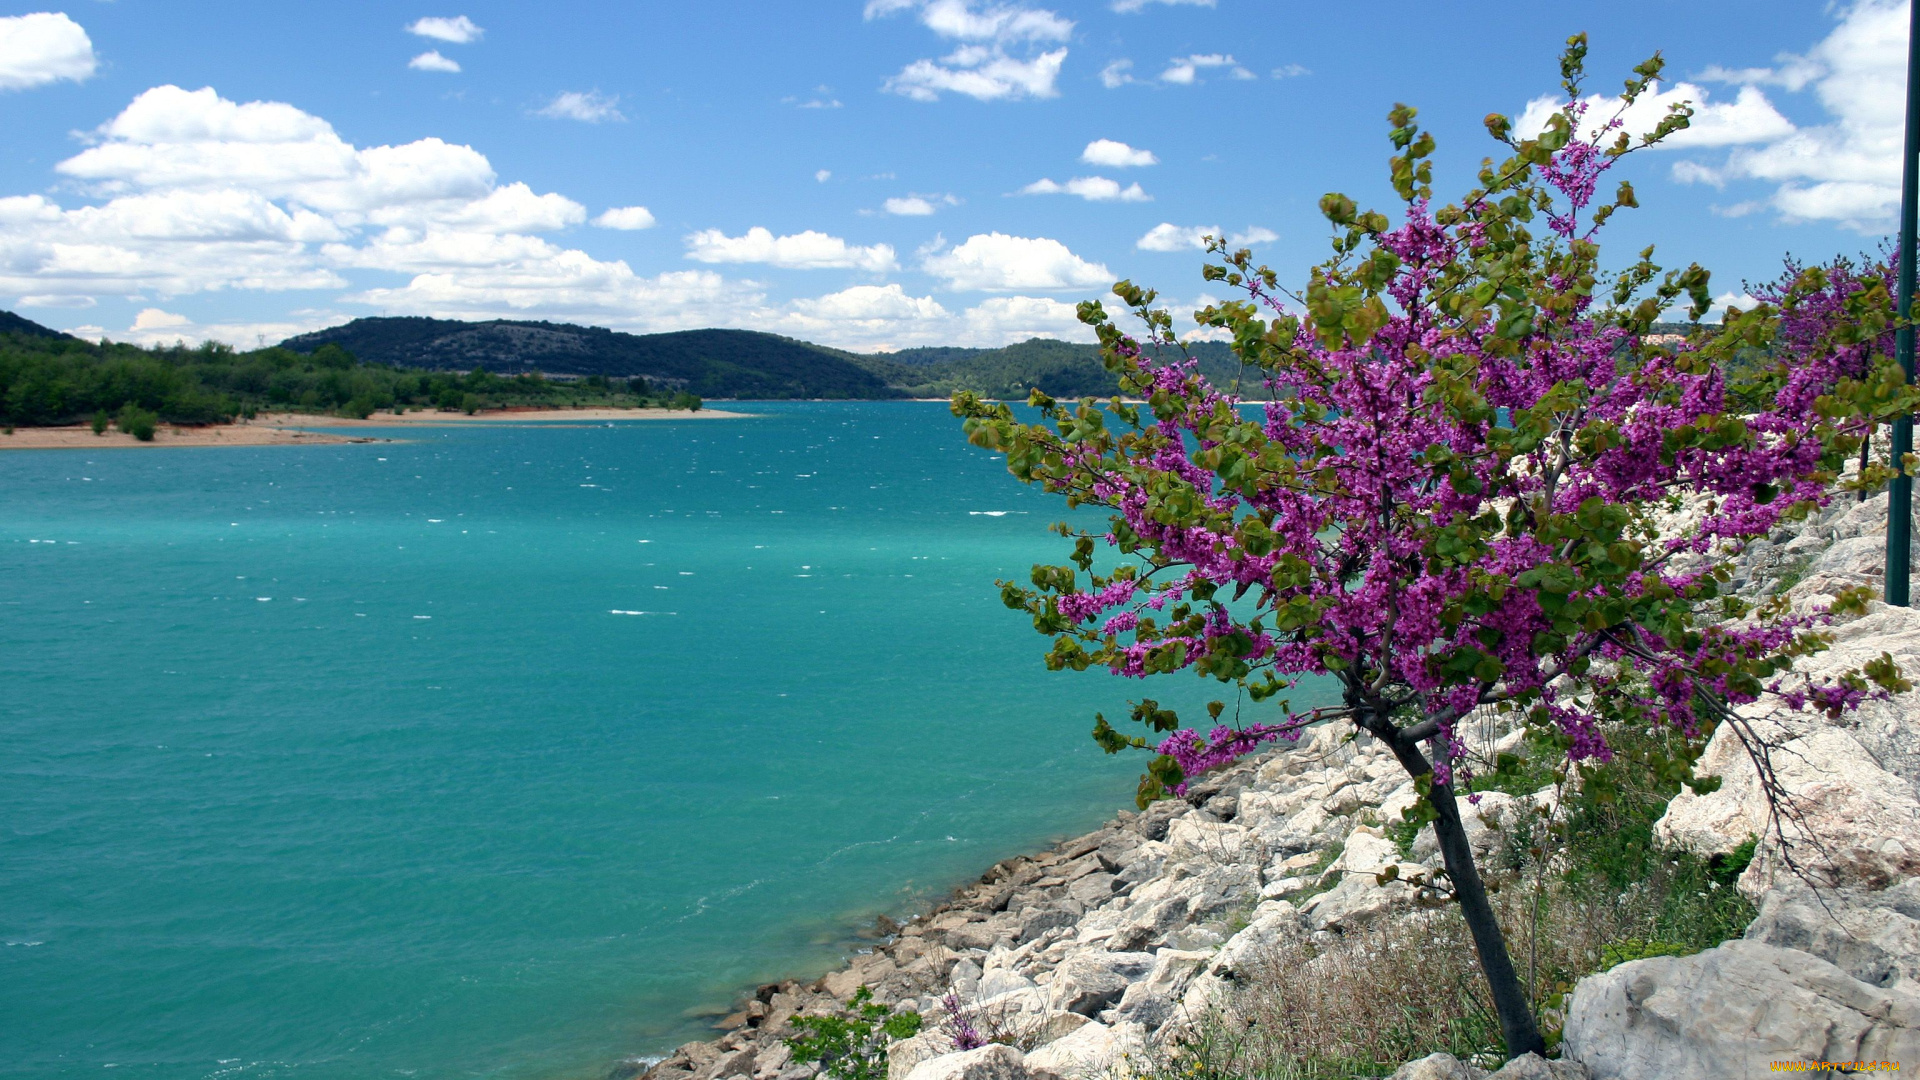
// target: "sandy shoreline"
[[81, 437], [294, 429], [427, 418]]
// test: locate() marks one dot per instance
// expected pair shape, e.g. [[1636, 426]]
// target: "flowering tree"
[[1445, 492]]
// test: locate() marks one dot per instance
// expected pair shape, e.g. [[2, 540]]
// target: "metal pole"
[[1900, 491]]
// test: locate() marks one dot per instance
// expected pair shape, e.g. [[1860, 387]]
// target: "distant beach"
[[81, 437], [292, 429], [491, 416]]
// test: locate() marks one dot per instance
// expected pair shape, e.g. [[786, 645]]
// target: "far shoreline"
[[298, 429], [433, 418]]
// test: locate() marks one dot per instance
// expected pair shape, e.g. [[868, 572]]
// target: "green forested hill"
[[52, 378], [710, 363], [734, 363], [47, 377], [1061, 368], [14, 324]]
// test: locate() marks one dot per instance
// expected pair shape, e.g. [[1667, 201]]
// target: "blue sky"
[[872, 175]]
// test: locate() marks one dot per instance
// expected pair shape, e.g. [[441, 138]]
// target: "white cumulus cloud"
[[1116, 155], [807, 250], [1090, 188], [198, 193], [625, 217], [1167, 236], [1127, 6], [1748, 118], [431, 60], [909, 206], [1185, 70], [996, 262], [1845, 171], [459, 29], [1116, 74], [588, 107], [1000, 56], [43, 47]]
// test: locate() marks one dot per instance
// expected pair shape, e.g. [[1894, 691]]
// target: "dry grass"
[[1361, 1004]]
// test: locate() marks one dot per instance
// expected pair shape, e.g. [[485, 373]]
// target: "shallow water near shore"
[[505, 751]]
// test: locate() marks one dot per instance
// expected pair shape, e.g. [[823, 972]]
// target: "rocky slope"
[[1100, 947]]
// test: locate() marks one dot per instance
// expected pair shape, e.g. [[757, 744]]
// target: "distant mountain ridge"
[[735, 363], [710, 363], [14, 324]]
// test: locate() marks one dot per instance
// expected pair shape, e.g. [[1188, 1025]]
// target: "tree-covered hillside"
[[735, 363], [710, 363], [60, 380], [14, 324], [1061, 368]]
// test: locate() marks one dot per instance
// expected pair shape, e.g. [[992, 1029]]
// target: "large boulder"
[[1852, 823], [1016, 1013], [1094, 1050], [1358, 900], [904, 1055], [1872, 936], [1091, 981], [1153, 1000], [1535, 1067], [994, 1061], [1729, 1011], [1274, 923]]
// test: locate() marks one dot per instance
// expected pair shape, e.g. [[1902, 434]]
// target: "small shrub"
[[100, 422], [1515, 775], [1403, 833], [137, 422], [1617, 953], [852, 1044]]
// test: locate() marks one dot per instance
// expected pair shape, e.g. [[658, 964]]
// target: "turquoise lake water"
[[505, 751]]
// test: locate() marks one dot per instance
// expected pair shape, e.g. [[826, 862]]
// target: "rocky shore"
[[1081, 961]]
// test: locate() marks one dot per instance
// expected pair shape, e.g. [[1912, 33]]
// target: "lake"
[[506, 751]]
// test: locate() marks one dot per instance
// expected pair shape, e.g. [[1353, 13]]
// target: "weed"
[[852, 1044]]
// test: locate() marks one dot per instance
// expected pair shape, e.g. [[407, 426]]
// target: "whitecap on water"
[[989, 513]]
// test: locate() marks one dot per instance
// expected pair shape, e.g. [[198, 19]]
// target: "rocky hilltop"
[[1086, 959]]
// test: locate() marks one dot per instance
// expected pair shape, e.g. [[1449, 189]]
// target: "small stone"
[[1437, 1067]]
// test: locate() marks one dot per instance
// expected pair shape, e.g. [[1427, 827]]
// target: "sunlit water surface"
[[504, 751]]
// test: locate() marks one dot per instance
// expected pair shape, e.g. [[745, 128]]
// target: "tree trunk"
[[1864, 444], [1510, 1004]]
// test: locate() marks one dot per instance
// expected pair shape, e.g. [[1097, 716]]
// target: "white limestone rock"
[[1437, 1067], [994, 1061], [1094, 1050], [1854, 822], [1872, 936], [1153, 1000], [1729, 1011], [1093, 980], [1535, 1067]]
